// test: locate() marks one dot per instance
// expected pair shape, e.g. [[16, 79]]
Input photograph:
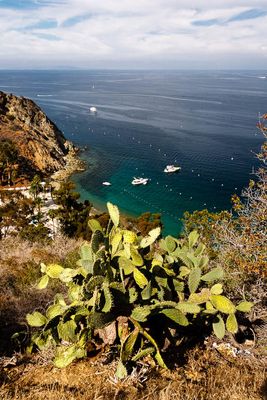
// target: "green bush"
[[134, 291]]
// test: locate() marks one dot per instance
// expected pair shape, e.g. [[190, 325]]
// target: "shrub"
[[138, 292]]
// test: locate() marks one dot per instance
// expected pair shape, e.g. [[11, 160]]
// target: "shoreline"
[[73, 165]]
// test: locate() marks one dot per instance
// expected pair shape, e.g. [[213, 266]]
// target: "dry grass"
[[19, 272], [207, 375]]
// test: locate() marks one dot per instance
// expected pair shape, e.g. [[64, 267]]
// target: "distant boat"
[[139, 181], [262, 77], [93, 110], [106, 183], [171, 168]]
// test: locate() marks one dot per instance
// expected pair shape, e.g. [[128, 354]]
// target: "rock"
[[38, 140]]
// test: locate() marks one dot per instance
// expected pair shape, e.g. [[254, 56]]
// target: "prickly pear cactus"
[[127, 284]]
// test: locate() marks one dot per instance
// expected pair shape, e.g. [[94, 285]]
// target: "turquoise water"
[[203, 121]]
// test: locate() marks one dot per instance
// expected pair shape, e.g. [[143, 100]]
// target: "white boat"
[[171, 168], [106, 183], [93, 110], [139, 181]]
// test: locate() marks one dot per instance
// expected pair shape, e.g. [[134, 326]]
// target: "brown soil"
[[207, 375]]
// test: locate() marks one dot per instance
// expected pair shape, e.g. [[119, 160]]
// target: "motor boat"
[[139, 181], [93, 110], [106, 183], [171, 168]]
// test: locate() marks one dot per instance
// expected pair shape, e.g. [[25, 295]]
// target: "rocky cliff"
[[38, 140]]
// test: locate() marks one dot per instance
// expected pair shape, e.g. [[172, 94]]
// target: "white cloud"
[[151, 33]]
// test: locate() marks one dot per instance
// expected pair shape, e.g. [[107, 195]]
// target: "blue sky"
[[133, 34]]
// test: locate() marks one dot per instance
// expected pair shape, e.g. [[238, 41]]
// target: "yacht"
[[139, 181], [106, 183], [93, 110], [171, 168]]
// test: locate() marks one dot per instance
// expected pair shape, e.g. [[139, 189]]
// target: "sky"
[[133, 34]]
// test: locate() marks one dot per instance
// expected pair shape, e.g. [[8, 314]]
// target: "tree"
[[72, 214], [146, 222], [36, 186], [8, 161], [16, 214]]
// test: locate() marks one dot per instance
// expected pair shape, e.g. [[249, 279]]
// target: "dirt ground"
[[209, 373]]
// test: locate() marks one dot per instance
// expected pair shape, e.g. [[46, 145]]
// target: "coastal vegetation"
[[8, 162], [146, 295], [96, 305]]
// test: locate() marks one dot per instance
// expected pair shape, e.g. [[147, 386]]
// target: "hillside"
[[42, 147]]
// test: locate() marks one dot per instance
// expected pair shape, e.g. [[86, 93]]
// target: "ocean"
[[203, 121]]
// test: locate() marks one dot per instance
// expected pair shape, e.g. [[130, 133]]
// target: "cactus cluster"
[[129, 282]]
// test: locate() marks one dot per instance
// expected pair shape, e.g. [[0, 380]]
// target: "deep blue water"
[[204, 121]]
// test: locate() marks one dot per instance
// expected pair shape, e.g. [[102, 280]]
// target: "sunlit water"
[[203, 121]]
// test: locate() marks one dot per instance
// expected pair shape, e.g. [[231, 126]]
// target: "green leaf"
[[96, 241], [201, 297], [141, 313], [178, 285], [175, 315], [65, 355], [213, 275], [182, 255], [147, 291], [43, 282], [66, 331], [209, 308], [87, 265], [54, 310], [150, 238], [68, 274], [121, 372], [126, 265], [59, 299], [244, 306], [200, 248], [115, 242], [42, 341], [127, 250], [189, 308], [86, 251], [74, 292], [108, 299], [194, 279], [203, 262], [231, 324], [129, 237], [160, 360], [192, 239], [54, 270], [94, 282], [114, 214], [222, 304], [140, 278], [133, 294], [143, 353], [184, 271], [94, 225], [170, 244], [43, 268], [136, 257], [216, 289], [128, 345], [36, 319], [219, 327]]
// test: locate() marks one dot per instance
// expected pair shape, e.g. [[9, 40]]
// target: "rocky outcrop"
[[39, 142]]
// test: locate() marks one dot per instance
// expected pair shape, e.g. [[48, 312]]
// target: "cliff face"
[[37, 139]]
